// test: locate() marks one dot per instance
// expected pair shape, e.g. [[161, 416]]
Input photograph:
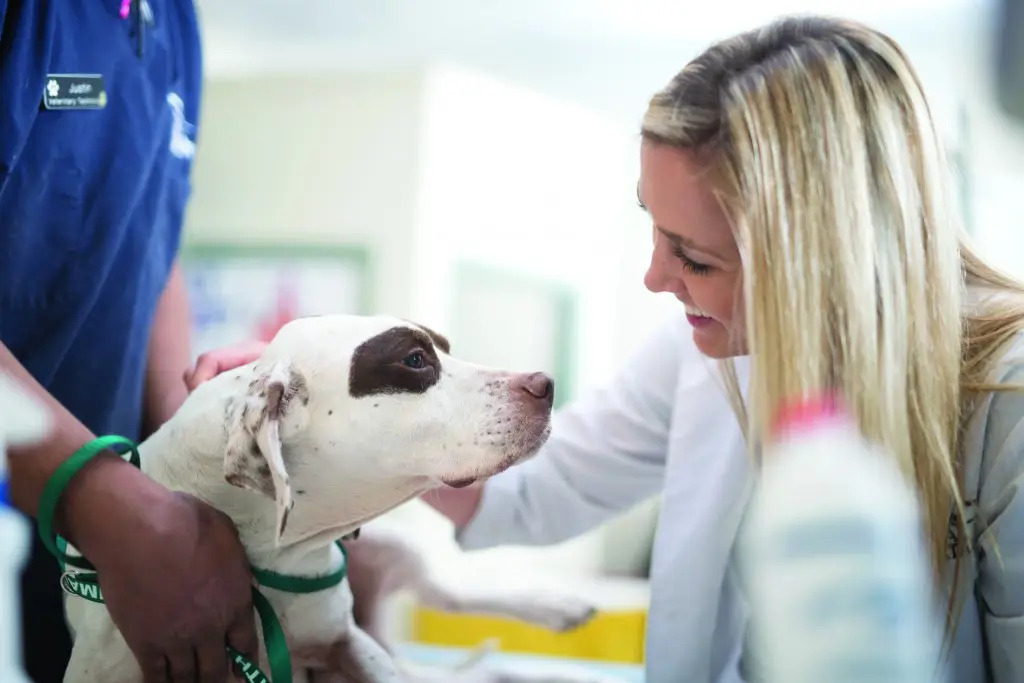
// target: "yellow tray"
[[612, 636]]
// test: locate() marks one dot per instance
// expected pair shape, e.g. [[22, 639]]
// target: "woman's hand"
[[458, 505], [213, 363]]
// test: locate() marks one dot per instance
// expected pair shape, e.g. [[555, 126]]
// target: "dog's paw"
[[564, 614]]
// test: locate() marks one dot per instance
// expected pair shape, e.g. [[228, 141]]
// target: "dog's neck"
[[195, 465]]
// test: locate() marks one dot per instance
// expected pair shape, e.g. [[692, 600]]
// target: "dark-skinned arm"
[[169, 355], [90, 491]]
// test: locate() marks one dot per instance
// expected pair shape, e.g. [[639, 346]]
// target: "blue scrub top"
[[91, 209], [91, 202]]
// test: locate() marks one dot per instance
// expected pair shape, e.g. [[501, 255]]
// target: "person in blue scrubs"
[[99, 101]]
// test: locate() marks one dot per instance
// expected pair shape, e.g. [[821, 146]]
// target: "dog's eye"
[[416, 361]]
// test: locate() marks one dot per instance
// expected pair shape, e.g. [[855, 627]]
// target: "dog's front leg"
[[357, 659], [540, 608]]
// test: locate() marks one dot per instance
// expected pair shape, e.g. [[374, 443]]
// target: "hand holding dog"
[[173, 572], [213, 363]]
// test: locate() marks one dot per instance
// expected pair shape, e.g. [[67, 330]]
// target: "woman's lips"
[[699, 320], [697, 317]]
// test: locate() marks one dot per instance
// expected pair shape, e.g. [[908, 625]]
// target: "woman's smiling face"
[[695, 254]]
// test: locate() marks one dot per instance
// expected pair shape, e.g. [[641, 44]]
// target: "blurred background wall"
[[472, 166]]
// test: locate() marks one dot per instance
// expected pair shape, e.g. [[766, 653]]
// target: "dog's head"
[[369, 411]]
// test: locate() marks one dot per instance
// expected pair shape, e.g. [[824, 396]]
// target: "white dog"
[[342, 419]]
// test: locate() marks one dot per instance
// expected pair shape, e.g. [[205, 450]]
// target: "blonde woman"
[[801, 211], [800, 203]]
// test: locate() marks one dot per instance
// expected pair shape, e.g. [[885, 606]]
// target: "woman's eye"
[[689, 265], [416, 361]]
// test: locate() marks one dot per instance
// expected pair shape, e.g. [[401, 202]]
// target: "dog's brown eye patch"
[[440, 341], [379, 364]]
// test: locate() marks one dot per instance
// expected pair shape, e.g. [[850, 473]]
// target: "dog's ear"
[[253, 457]]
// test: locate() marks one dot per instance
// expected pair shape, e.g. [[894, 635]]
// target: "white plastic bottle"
[[834, 560], [22, 421]]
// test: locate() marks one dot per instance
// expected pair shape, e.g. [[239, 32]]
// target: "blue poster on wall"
[[236, 298]]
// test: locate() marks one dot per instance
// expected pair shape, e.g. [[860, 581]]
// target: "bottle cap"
[[808, 412]]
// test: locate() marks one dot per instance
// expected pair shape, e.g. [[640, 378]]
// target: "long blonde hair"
[[855, 265]]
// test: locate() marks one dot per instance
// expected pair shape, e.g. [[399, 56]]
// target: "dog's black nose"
[[537, 386]]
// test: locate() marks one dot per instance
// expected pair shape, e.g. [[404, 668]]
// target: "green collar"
[[287, 583], [80, 577]]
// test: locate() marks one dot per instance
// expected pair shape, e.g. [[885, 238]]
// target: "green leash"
[[80, 577]]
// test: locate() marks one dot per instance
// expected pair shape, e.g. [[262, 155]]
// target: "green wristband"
[[59, 481]]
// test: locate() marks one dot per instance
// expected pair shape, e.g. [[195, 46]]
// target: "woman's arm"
[[1000, 533], [606, 454]]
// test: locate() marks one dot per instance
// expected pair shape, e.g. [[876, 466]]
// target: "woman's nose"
[[652, 281], [660, 277]]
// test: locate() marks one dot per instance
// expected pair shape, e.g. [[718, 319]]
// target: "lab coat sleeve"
[[606, 453], [1000, 540]]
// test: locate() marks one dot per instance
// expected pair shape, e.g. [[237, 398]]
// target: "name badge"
[[74, 91]]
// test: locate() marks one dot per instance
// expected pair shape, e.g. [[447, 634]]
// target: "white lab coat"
[[663, 424]]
